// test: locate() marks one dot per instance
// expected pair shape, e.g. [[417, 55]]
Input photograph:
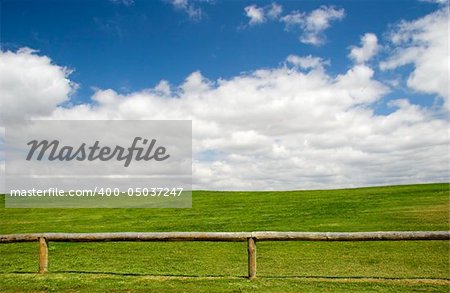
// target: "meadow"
[[222, 267]]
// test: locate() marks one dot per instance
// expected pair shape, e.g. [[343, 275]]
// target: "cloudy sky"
[[282, 94]]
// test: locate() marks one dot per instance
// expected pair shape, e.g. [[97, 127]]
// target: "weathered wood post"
[[251, 249], [43, 255]]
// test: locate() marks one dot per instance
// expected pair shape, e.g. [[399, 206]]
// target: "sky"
[[282, 94]]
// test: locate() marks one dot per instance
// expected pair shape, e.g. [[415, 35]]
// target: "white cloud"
[[442, 2], [293, 19], [306, 62], [369, 48], [274, 11], [256, 14], [282, 128], [424, 44], [320, 19], [291, 127], [30, 85], [259, 15], [163, 88], [313, 24]]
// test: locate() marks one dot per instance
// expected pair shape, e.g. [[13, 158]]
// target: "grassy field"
[[211, 267]]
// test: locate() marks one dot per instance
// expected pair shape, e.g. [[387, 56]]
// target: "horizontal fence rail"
[[250, 237]]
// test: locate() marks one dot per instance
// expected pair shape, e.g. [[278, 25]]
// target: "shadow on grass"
[[352, 277], [368, 278], [130, 274]]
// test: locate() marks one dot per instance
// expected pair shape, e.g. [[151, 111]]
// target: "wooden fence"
[[250, 237]]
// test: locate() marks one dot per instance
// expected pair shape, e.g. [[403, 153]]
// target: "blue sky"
[[136, 44], [281, 94]]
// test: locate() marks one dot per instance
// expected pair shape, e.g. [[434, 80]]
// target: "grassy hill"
[[282, 266]]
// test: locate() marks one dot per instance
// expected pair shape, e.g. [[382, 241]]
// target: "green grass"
[[206, 267]]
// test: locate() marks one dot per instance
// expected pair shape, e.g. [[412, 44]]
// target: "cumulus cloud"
[[369, 48], [442, 2], [306, 62], [274, 11], [31, 85], [295, 126], [318, 21], [313, 24], [286, 128], [424, 44], [258, 15], [293, 19], [255, 13]]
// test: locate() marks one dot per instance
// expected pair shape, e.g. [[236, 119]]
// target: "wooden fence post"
[[251, 249], [43, 255]]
